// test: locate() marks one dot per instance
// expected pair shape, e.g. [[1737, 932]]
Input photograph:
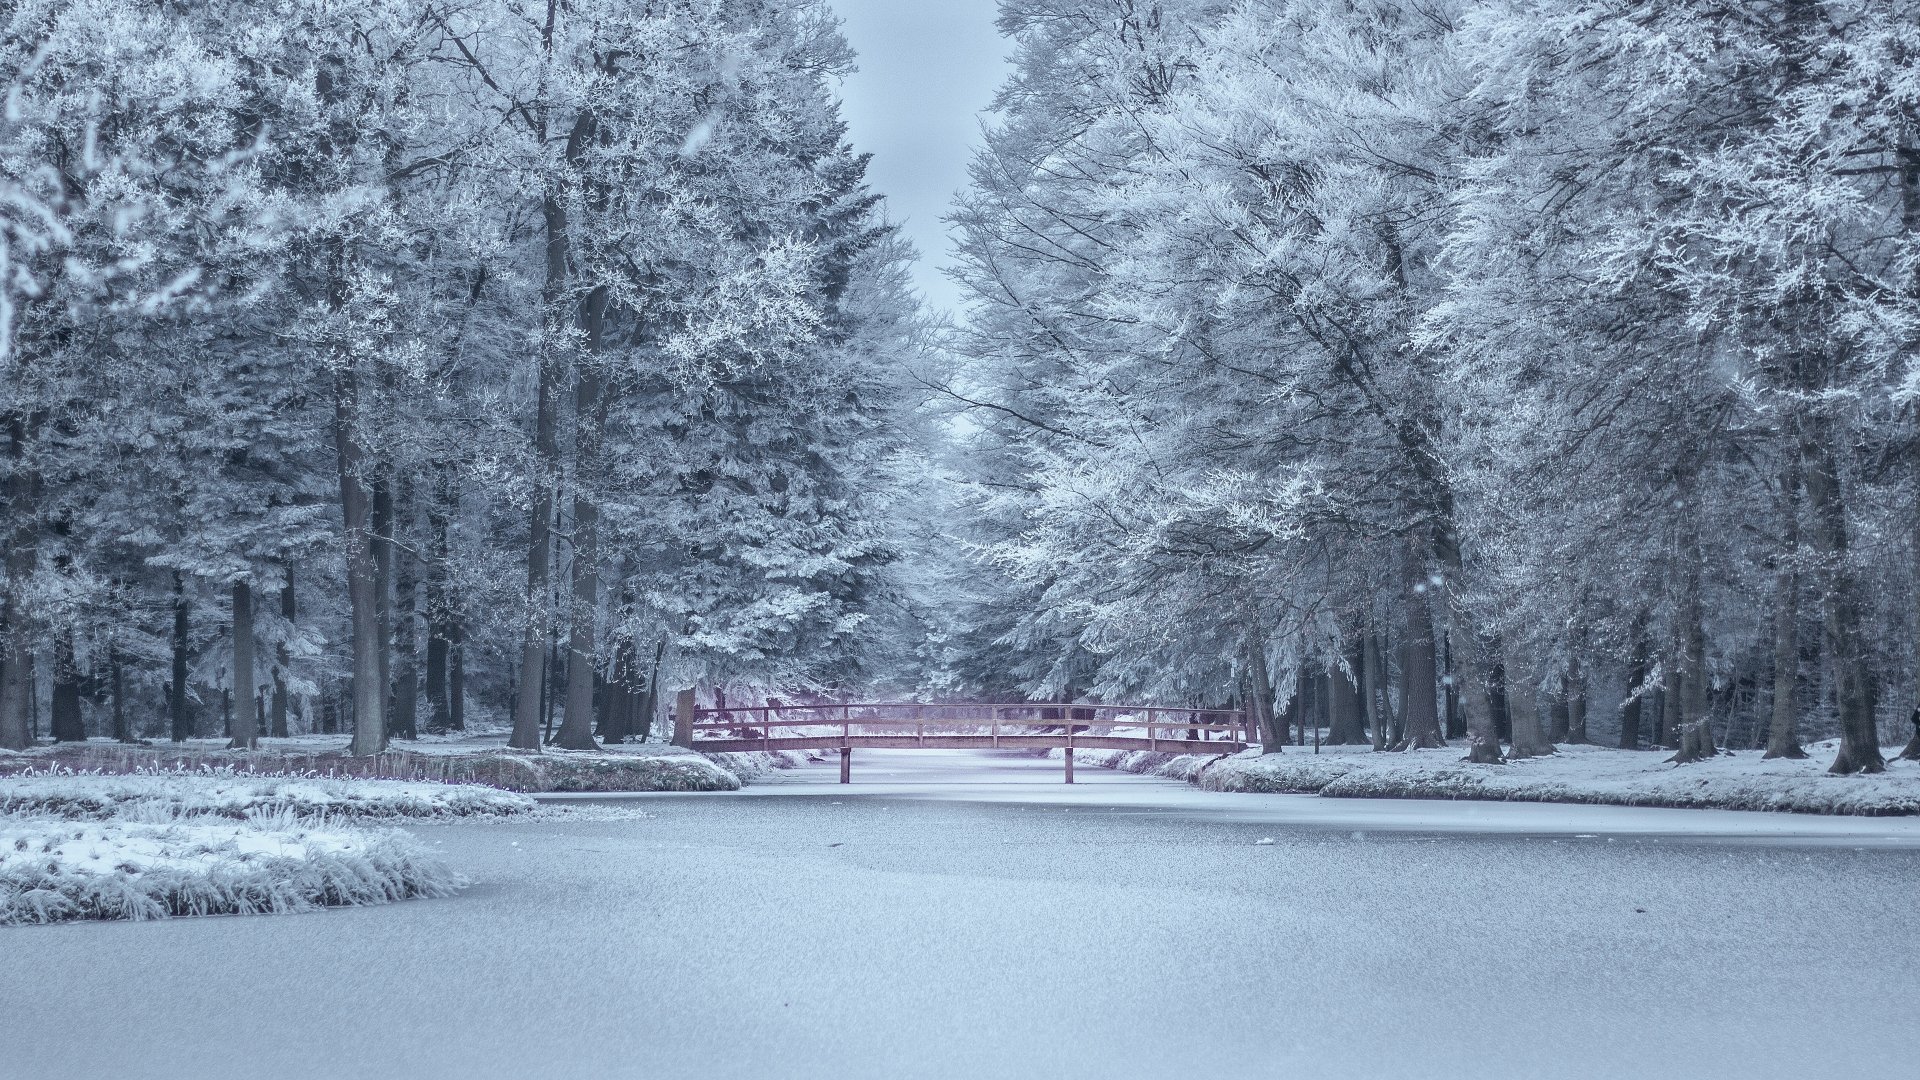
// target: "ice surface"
[[930, 921]]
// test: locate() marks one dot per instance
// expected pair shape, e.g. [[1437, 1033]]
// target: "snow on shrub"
[[229, 794], [56, 870]]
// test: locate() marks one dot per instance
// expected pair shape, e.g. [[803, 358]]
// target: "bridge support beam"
[[1069, 755], [846, 764]]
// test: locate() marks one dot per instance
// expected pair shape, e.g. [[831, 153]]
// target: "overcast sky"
[[927, 69]]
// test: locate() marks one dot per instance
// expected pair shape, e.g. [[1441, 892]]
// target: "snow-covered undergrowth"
[[1576, 774], [236, 795], [481, 760], [749, 764], [155, 863]]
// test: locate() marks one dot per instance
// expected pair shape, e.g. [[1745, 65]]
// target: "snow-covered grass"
[[483, 760], [235, 795], [156, 863], [755, 763], [218, 842], [1738, 780]]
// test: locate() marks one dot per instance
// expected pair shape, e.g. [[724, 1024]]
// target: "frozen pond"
[[971, 917]]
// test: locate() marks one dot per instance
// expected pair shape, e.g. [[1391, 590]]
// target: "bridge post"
[[683, 719], [846, 764], [1069, 764]]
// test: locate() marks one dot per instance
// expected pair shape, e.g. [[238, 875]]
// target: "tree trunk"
[[1577, 705], [1559, 712], [1374, 690], [406, 604], [383, 562], [68, 725], [1783, 735], [650, 703], [1523, 711], [246, 726], [1346, 703], [1454, 715], [1633, 710], [1670, 704], [1853, 682], [533, 642], [1696, 733], [1497, 692], [117, 672], [363, 570], [282, 656], [1272, 739], [180, 723], [1419, 709], [591, 401], [439, 602], [457, 677], [16, 640]]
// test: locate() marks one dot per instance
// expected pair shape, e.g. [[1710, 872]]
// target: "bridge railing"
[[986, 725]]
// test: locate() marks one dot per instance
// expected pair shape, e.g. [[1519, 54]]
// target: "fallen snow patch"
[[747, 765], [56, 870], [229, 794], [1737, 780]]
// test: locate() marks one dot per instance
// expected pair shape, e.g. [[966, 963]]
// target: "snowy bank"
[[1738, 780], [748, 765], [234, 795], [54, 870], [484, 761]]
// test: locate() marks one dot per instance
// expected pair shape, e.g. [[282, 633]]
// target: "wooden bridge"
[[920, 726]]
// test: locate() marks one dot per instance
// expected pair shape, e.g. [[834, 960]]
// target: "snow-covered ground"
[[468, 759], [230, 794], [1738, 780], [157, 865], [216, 841]]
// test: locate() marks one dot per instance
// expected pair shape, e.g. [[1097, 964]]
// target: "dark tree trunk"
[[550, 681], [1845, 642], [650, 703], [1497, 694], [245, 733], [590, 409], [364, 580], [181, 724], [117, 671], [546, 450], [1374, 691], [68, 725], [283, 657], [1289, 717], [406, 614], [439, 711], [1346, 704], [1456, 717], [1577, 715], [457, 677], [1559, 713], [1670, 705], [1783, 733], [16, 639], [439, 602], [1523, 704], [384, 551], [1260, 703], [1419, 709], [1696, 732], [1633, 710]]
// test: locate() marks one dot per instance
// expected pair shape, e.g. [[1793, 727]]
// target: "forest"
[[1486, 373]]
